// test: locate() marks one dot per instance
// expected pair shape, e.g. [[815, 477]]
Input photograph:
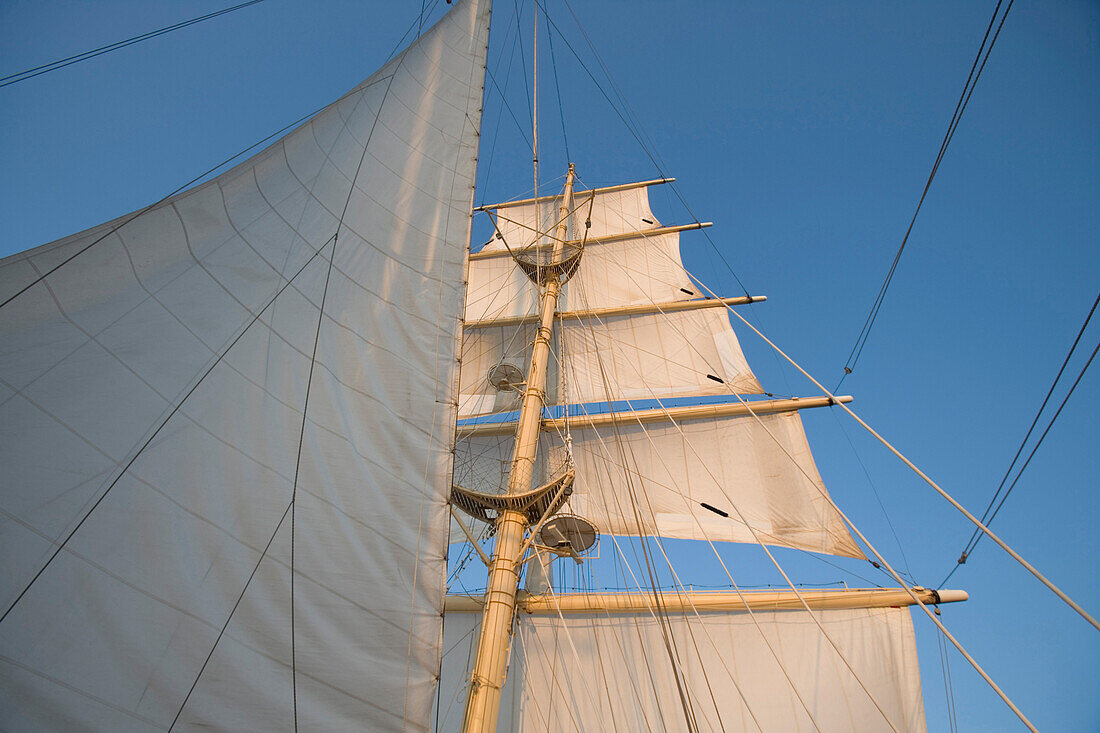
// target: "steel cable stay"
[[485, 177], [987, 517], [84, 56], [960, 108], [507, 106], [948, 687], [878, 498], [557, 89], [1058, 412]]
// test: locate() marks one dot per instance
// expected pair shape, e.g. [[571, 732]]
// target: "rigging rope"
[[484, 176], [557, 88], [77, 58], [878, 555], [619, 442], [960, 107], [634, 128], [878, 498], [987, 517], [946, 673], [939, 490]]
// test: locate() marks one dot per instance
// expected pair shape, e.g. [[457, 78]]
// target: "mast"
[[487, 678]]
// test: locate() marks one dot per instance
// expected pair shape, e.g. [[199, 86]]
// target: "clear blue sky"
[[805, 131]]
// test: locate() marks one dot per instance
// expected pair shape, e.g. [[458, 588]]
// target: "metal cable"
[[638, 133], [987, 522], [960, 107], [77, 58], [986, 517], [61, 546]]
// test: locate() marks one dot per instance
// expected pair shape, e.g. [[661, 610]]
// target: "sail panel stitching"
[[137, 453]]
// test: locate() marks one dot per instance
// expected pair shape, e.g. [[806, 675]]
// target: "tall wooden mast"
[[487, 678]]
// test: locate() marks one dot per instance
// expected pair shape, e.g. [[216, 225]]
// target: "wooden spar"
[[639, 234], [624, 310], [487, 676], [589, 192], [671, 602], [689, 412]]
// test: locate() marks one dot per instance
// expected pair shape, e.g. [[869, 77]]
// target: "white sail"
[[636, 266], [680, 354], [653, 479], [152, 408], [613, 211], [648, 356], [730, 679], [606, 356]]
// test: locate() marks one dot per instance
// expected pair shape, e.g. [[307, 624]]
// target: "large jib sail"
[[226, 426]]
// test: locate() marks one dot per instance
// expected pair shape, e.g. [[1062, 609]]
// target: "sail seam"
[[138, 453], [42, 276]]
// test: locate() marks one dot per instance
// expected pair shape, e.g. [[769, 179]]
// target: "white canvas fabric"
[[655, 356], [497, 288], [610, 212], [648, 356], [652, 479], [152, 393], [615, 672], [485, 348], [639, 270]]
